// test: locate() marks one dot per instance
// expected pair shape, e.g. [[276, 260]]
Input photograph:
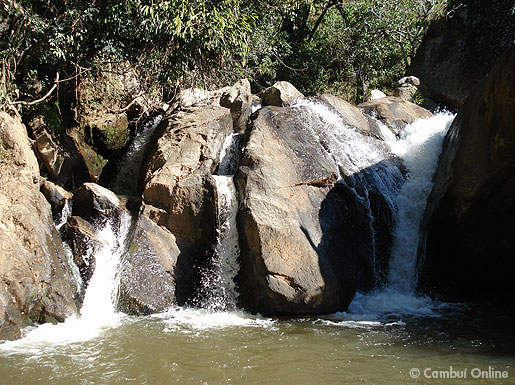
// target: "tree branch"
[[127, 106], [24, 103], [330, 4]]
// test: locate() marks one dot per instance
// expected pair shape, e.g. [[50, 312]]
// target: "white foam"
[[187, 320], [229, 155], [218, 286], [66, 212], [98, 312], [343, 320], [419, 147]]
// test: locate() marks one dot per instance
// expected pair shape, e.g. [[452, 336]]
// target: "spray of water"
[[98, 311], [419, 147]]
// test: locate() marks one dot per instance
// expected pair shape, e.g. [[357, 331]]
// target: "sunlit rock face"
[[36, 282], [178, 189], [315, 198]]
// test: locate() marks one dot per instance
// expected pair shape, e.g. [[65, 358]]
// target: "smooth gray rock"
[[149, 270]]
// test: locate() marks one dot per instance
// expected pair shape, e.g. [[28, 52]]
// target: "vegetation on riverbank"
[[344, 47]]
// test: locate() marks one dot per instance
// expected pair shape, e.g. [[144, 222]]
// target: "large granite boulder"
[[280, 94], [394, 112], [36, 280], [239, 100], [470, 218], [149, 270], [178, 188], [306, 235], [459, 50]]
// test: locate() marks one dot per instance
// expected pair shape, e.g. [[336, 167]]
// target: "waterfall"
[[98, 308], [362, 162], [218, 291], [98, 311], [129, 169], [365, 167], [66, 212], [419, 147]]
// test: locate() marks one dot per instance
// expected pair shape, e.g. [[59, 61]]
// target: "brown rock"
[[280, 94], [55, 195], [94, 202], [149, 270], [394, 112], [239, 100], [305, 238], [405, 91], [178, 190], [35, 279]]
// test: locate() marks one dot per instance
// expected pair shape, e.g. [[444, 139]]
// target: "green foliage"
[[418, 98], [344, 46], [352, 45]]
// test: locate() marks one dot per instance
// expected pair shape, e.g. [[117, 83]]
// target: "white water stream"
[[419, 147], [98, 311], [219, 292]]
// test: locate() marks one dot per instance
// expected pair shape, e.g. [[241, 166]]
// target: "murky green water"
[[194, 347]]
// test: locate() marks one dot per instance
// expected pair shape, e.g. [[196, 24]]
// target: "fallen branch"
[[24, 103], [127, 106]]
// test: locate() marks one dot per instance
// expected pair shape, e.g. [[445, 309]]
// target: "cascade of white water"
[[362, 162], [419, 147], [219, 281], [66, 212], [218, 287], [98, 311], [99, 306]]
